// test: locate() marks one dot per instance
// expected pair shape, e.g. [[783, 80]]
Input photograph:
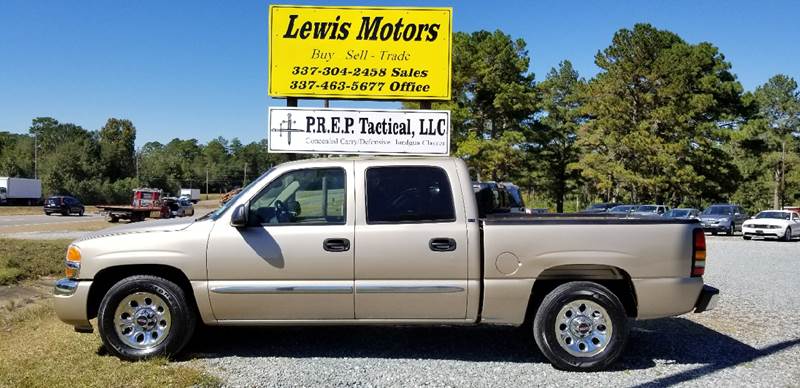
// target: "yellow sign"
[[360, 52]]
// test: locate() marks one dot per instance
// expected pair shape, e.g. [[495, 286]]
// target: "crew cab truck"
[[373, 241]]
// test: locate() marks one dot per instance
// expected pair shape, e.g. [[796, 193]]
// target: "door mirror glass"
[[239, 216]]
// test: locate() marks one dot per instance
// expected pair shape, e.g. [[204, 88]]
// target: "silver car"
[[723, 218]]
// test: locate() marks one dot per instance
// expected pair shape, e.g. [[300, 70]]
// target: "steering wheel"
[[281, 211]]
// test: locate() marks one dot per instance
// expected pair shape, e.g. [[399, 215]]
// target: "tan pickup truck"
[[371, 241]]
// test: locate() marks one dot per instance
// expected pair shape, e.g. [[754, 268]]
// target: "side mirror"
[[239, 217]]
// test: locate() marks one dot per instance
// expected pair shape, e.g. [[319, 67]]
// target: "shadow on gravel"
[[674, 340], [681, 341]]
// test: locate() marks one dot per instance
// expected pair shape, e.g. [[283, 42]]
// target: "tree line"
[[103, 166], [664, 121]]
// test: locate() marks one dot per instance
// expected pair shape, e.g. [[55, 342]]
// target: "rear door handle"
[[336, 244], [441, 244]]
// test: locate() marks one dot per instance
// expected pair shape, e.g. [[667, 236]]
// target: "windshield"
[[216, 213], [678, 213], [773, 215], [647, 208], [516, 199], [718, 211]]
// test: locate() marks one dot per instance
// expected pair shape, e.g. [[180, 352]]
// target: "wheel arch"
[[616, 279], [107, 277]]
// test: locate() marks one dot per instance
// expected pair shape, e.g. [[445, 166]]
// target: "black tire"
[[182, 325], [731, 230], [788, 235], [544, 326], [65, 213], [746, 237], [714, 233], [80, 213], [47, 213], [112, 219]]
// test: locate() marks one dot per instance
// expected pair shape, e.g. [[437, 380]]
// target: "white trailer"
[[20, 191], [193, 194]]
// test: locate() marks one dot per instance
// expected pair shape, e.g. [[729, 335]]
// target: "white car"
[[783, 224]]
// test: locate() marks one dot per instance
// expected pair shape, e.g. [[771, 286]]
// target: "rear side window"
[[409, 194]]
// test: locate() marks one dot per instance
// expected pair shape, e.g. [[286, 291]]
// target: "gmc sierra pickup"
[[382, 241]]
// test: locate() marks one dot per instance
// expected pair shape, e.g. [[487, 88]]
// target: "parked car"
[[382, 241], [651, 210], [782, 224], [683, 214], [623, 209], [725, 218], [600, 207], [64, 205], [179, 207]]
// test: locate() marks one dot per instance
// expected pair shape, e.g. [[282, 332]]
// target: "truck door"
[[294, 259], [411, 243]]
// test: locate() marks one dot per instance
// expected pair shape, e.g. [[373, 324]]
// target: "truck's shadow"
[[673, 340]]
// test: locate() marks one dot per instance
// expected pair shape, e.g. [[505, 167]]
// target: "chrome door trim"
[[281, 287], [410, 289]]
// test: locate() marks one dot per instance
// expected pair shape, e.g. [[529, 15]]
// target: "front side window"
[[409, 194], [310, 196]]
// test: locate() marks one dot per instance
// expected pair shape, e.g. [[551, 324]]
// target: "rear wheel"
[[145, 316], [581, 326], [80, 213], [788, 235]]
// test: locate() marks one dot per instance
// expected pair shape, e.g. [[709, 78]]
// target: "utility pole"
[[206, 182], [35, 154]]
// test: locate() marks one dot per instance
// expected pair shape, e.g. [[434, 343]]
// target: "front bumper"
[[707, 300], [763, 232], [70, 302], [721, 227]]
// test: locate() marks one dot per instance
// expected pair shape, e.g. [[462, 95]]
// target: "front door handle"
[[441, 244], [336, 244]]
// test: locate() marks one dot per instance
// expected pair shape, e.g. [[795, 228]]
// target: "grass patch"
[[31, 210], [37, 350], [30, 259]]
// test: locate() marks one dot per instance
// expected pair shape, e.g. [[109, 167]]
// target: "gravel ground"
[[749, 340]]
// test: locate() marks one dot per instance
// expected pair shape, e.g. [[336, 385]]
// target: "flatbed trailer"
[[133, 214]]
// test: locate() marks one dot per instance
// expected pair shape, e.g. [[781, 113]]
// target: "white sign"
[[359, 131]]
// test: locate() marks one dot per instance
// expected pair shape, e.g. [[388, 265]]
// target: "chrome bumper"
[[65, 287]]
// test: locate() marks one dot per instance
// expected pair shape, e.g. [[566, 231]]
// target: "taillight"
[[698, 252]]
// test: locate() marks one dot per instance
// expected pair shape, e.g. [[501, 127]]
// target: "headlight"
[[774, 227], [73, 262]]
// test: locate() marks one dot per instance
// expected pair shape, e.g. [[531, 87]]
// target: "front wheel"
[[788, 235], [145, 316], [581, 326]]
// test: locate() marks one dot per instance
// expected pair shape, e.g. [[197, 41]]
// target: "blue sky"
[[199, 69]]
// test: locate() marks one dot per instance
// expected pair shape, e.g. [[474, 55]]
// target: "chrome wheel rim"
[[583, 328], [142, 320]]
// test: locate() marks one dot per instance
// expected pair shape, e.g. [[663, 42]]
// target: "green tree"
[[116, 140], [769, 143], [553, 138], [660, 114], [493, 93]]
